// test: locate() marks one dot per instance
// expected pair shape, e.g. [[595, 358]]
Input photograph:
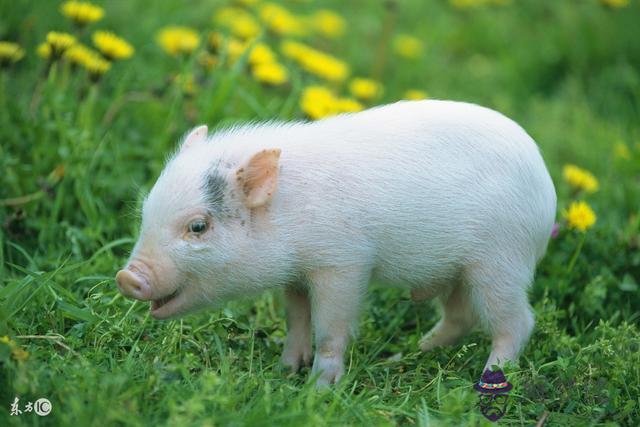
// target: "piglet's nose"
[[133, 285]]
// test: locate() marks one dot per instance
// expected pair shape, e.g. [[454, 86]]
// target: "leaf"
[[628, 284]]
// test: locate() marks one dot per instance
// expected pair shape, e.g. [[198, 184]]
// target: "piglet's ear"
[[197, 135], [258, 178]]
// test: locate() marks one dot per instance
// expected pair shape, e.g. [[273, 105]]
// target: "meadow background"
[[80, 143]]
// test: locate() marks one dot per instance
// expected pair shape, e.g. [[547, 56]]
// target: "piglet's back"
[[439, 177]]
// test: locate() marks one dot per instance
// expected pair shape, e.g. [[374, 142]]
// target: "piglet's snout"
[[133, 285]]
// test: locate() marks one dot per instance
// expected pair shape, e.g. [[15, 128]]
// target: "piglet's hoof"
[[331, 369], [295, 357]]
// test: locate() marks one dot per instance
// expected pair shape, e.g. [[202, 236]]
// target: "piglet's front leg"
[[297, 348], [335, 302]]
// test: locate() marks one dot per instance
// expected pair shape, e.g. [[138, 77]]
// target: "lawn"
[[83, 137]]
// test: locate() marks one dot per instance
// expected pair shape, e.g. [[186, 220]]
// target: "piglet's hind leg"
[[457, 320]]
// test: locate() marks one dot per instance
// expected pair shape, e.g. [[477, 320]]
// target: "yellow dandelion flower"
[[261, 53], [365, 89], [325, 66], [235, 49], [293, 49], [328, 23], [225, 16], [5, 340], [348, 105], [615, 3], [240, 22], [178, 40], [317, 102], [407, 46], [270, 73], [621, 151], [580, 179], [246, 27], [10, 53], [112, 46], [96, 66], [316, 62], [580, 216], [79, 54], [82, 13], [88, 59], [415, 95], [280, 20], [59, 42], [231, 47], [44, 50]]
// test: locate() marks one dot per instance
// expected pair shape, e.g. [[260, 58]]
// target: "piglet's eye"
[[198, 226]]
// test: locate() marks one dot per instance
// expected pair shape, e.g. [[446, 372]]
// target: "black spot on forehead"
[[214, 187]]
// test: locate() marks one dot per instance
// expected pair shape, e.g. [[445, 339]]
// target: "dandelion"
[[580, 179], [178, 40], [96, 67], [89, 59], [82, 13], [261, 54], [233, 47], [415, 95], [270, 73], [79, 54], [44, 50], [365, 89], [281, 21], [615, 4], [328, 23], [348, 105], [580, 216], [59, 42], [316, 62], [112, 46], [240, 22], [407, 46], [293, 49], [10, 53], [318, 102]]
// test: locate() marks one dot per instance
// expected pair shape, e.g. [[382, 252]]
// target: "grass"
[[75, 158]]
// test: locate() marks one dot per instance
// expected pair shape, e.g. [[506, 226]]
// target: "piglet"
[[448, 200]]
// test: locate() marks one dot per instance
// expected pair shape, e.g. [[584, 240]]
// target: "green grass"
[[567, 71]]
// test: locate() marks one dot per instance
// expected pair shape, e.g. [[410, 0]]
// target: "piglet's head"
[[195, 247]]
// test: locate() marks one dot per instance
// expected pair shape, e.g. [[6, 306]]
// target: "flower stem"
[[574, 258]]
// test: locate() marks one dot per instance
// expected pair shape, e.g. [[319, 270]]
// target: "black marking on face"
[[214, 188]]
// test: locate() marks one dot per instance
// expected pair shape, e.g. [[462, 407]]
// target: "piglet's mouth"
[[162, 308]]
